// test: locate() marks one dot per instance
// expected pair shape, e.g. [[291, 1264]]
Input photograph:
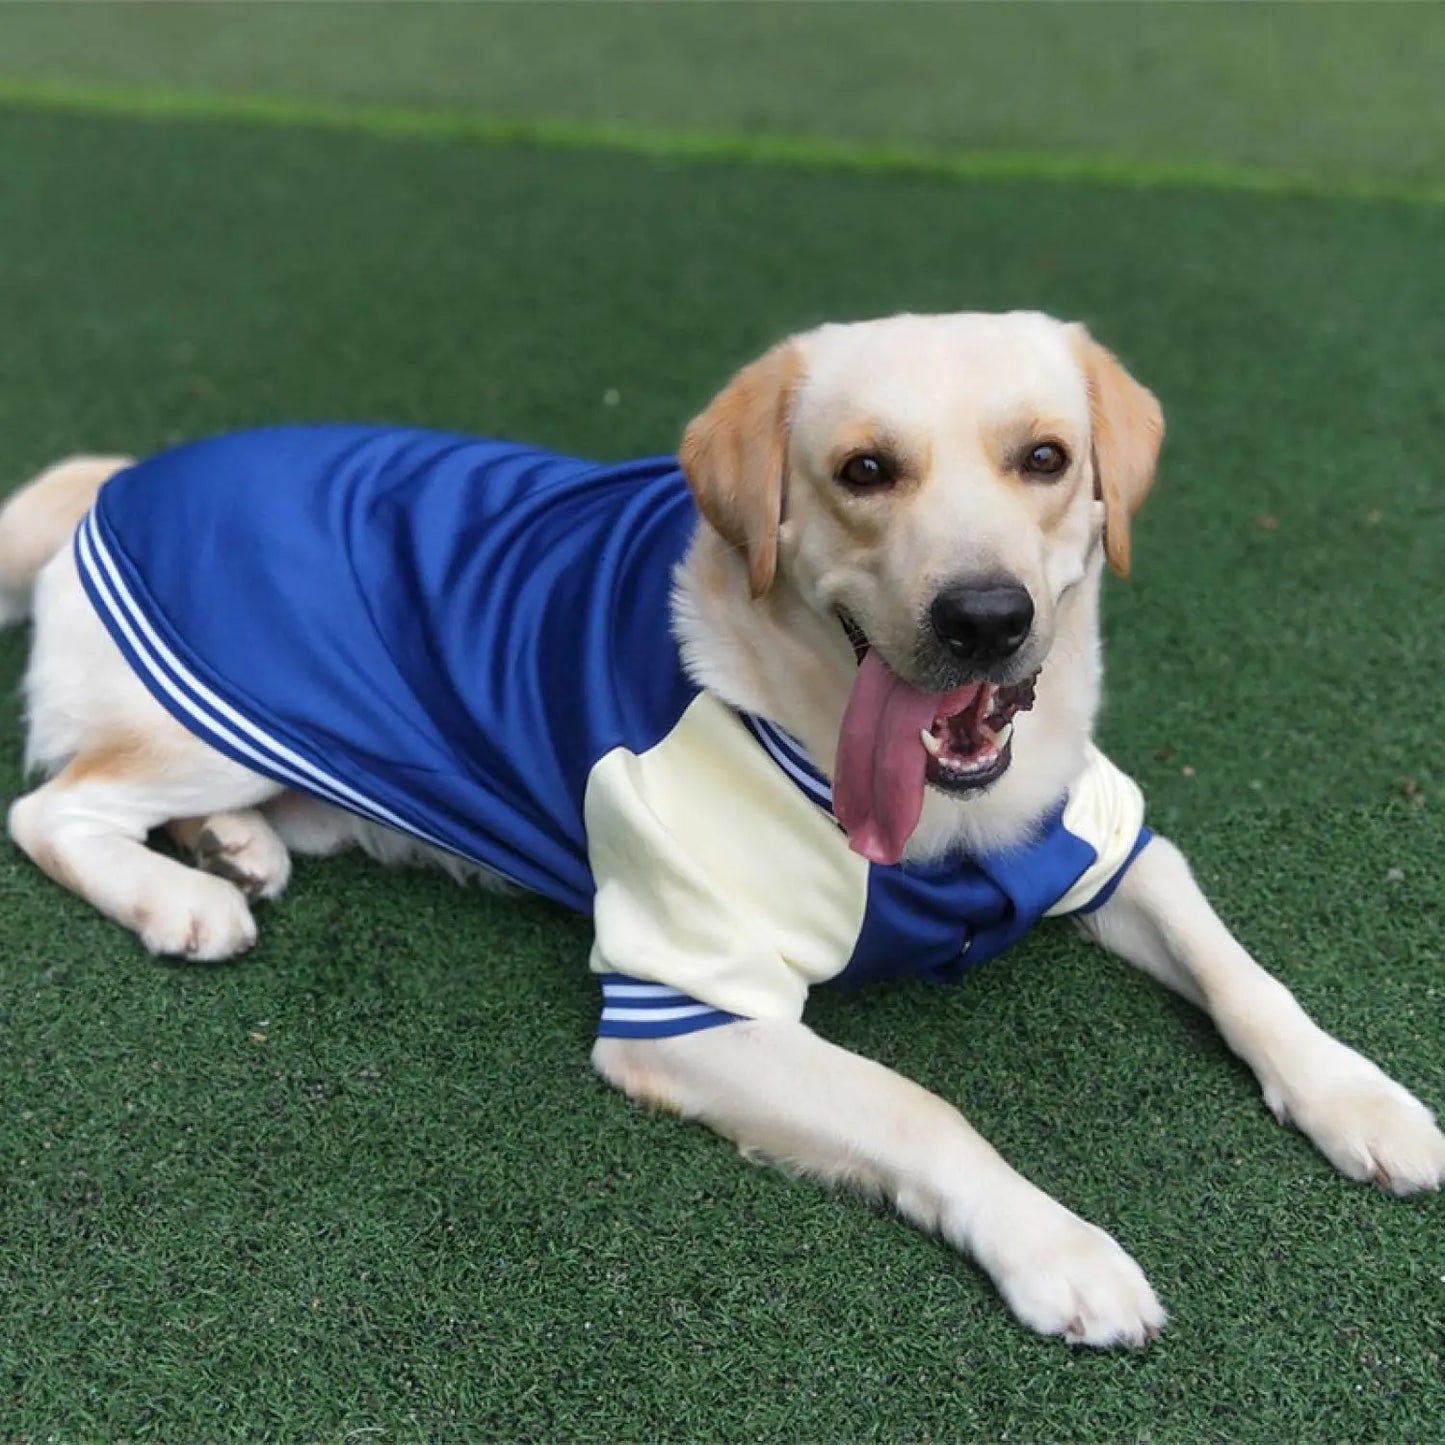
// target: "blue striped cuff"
[[632, 1009]]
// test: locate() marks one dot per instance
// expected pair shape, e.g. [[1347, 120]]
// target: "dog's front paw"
[[1360, 1119], [243, 849], [207, 919], [1063, 1276]]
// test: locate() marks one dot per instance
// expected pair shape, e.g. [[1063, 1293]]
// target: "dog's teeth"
[[1001, 737], [962, 769], [933, 744]]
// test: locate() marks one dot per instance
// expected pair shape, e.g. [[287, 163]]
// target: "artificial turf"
[[1333, 92], [362, 1183]]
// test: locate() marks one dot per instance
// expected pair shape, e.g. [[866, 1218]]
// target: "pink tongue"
[[879, 777]]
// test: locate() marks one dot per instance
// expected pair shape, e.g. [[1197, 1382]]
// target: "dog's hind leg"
[[312, 828], [87, 827], [252, 848], [119, 766]]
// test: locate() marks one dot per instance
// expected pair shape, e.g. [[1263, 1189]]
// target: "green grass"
[[70, 97], [1334, 93], [364, 1181]]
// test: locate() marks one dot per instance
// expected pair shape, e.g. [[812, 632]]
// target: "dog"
[[812, 700]]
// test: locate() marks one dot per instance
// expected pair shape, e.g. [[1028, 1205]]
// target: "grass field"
[[362, 1185], [1333, 92]]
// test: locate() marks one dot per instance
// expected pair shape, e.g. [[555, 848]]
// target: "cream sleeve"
[[1106, 810], [715, 875]]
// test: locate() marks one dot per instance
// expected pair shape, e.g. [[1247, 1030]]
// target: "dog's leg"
[[242, 848], [312, 828], [121, 766], [1362, 1121], [782, 1093], [87, 826]]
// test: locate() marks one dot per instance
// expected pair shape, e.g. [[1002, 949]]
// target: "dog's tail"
[[39, 519]]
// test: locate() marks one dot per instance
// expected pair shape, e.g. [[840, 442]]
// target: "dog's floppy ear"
[[1128, 428], [734, 455]]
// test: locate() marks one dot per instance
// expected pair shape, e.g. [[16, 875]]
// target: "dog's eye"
[[867, 471], [1047, 459]]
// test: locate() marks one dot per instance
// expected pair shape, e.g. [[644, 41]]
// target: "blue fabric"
[[938, 920], [456, 628]]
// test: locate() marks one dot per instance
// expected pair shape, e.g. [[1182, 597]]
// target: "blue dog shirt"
[[470, 641]]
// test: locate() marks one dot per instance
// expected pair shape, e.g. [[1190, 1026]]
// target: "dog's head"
[[938, 484]]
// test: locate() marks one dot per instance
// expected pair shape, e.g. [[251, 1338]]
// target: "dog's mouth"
[[972, 747], [896, 739]]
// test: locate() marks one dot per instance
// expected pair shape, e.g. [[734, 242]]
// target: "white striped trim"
[[638, 1009], [204, 706], [642, 990], [790, 757], [785, 742], [654, 1015]]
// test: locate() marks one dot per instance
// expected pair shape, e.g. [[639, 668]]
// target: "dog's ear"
[[1128, 429], [734, 455]]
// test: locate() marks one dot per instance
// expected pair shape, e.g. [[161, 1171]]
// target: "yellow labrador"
[[872, 596]]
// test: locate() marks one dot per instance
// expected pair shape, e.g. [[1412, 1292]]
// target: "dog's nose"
[[982, 624]]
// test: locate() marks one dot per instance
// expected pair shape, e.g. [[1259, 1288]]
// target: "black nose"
[[982, 624]]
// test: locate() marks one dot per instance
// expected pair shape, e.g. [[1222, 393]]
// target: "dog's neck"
[[781, 659]]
